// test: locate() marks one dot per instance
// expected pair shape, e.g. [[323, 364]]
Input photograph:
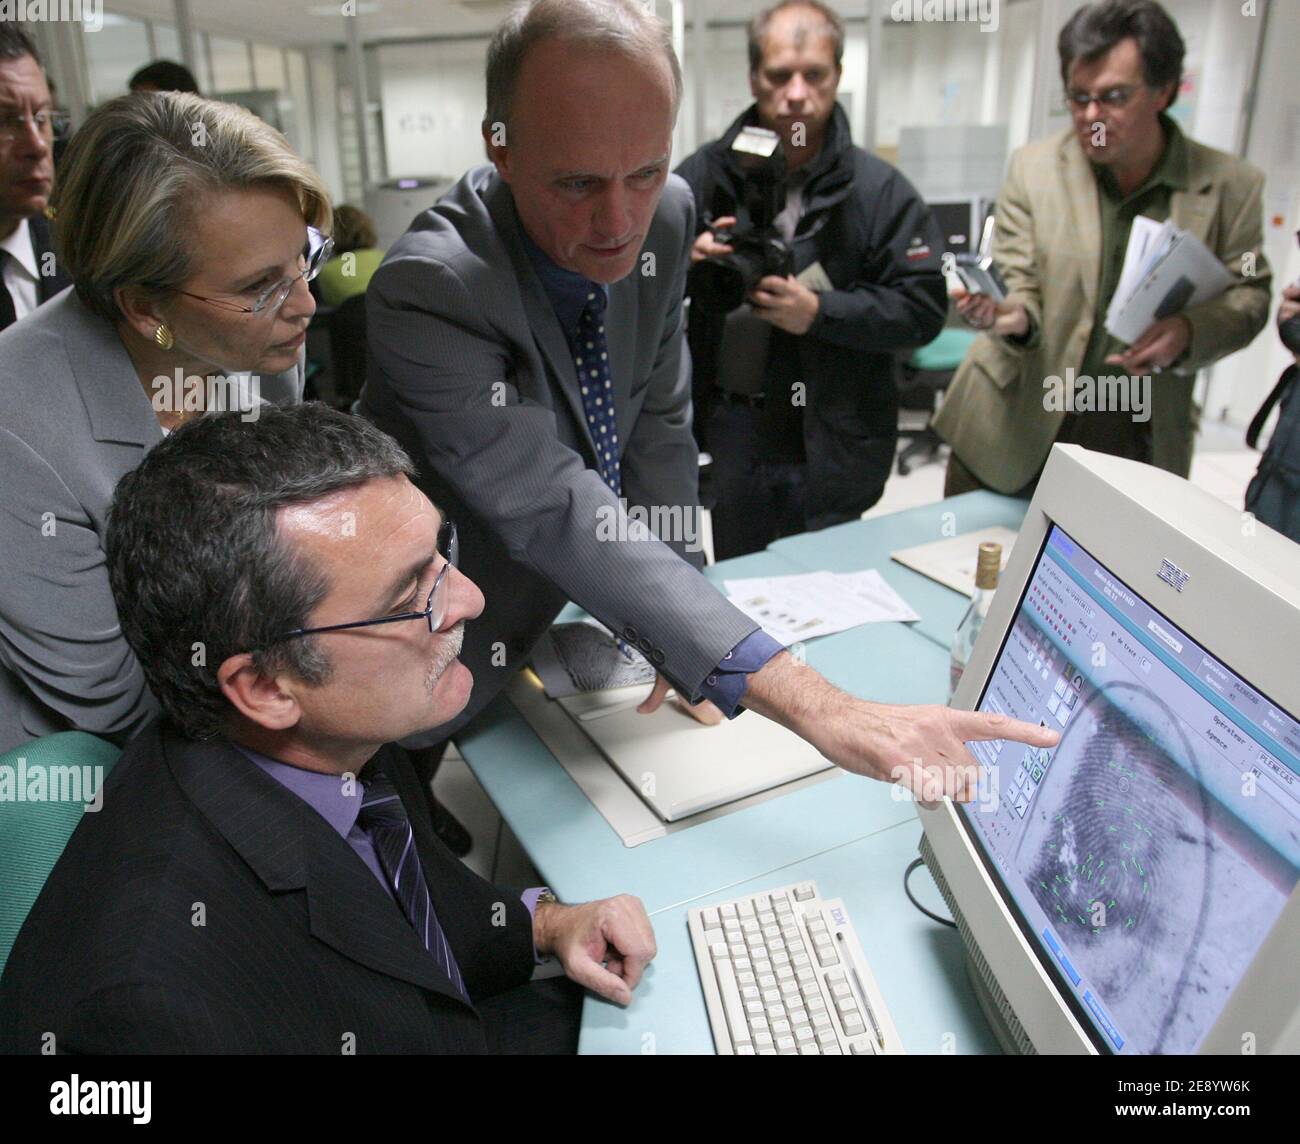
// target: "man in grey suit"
[[527, 348]]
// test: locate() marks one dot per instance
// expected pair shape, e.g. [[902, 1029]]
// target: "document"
[[574, 658], [952, 562], [801, 607], [1165, 271]]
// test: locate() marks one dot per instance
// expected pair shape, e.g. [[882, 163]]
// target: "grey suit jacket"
[[74, 420], [470, 369]]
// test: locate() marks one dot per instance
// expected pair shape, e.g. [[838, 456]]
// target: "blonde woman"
[[190, 229]]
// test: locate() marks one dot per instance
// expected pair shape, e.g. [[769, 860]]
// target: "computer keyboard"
[[783, 974]]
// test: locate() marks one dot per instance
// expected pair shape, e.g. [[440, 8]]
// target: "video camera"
[[722, 281]]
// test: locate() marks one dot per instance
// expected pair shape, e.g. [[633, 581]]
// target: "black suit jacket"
[[206, 908], [43, 244]]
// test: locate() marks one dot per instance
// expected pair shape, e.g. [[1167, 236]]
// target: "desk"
[[829, 832]]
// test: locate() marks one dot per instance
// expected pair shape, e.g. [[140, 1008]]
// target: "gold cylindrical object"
[[990, 565]]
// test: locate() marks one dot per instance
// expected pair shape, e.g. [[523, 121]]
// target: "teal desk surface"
[[851, 835], [918, 964], [867, 544]]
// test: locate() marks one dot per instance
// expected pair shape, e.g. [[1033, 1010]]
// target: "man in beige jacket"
[[1062, 226]]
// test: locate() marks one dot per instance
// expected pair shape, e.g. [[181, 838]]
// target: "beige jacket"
[[1047, 241]]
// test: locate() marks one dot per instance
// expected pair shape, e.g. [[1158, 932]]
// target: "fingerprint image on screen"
[[1159, 890]]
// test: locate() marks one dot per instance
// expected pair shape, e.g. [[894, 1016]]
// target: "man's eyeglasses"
[[314, 256], [1112, 97], [50, 124], [435, 607]]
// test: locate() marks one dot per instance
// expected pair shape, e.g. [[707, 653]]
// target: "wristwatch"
[[547, 896]]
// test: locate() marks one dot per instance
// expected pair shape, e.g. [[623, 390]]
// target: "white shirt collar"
[[19, 244]]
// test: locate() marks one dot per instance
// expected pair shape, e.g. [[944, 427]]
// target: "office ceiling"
[[305, 22]]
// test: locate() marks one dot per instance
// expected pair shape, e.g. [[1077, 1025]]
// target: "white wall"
[[433, 101]]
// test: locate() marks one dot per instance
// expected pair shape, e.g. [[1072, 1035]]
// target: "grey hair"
[[623, 26], [195, 559], [138, 169]]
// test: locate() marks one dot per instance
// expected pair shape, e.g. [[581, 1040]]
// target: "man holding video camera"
[[818, 263]]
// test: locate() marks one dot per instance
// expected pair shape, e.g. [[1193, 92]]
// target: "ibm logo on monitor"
[[1172, 575]]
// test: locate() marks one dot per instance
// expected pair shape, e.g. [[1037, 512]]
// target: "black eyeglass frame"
[[448, 549]]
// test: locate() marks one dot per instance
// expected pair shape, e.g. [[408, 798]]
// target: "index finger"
[[992, 725]]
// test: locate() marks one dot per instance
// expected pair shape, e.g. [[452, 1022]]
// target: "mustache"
[[449, 649]]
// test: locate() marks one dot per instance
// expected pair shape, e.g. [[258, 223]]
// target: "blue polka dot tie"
[[591, 354]]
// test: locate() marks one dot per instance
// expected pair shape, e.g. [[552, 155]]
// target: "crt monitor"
[[1134, 889]]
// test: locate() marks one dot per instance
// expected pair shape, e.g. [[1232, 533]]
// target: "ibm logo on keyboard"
[[1172, 575], [838, 915]]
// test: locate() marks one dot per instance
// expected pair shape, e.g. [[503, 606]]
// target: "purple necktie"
[[384, 817]]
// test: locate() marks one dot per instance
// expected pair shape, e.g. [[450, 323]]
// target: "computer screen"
[[1147, 855]]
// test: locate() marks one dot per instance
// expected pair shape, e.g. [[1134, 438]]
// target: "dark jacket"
[[42, 244], [300, 950], [877, 241]]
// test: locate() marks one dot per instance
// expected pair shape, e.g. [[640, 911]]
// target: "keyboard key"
[[809, 1049], [785, 1046], [719, 950], [766, 918], [801, 961], [842, 993], [727, 911], [745, 1051], [711, 920], [780, 1028], [804, 891], [862, 1049], [755, 1009], [745, 909], [804, 1033], [853, 1024], [826, 956], [762, 902], [805, 974], [745, 977], [737, 1022], [825, 1038], [767, 981], [799, 1019], [821, 1020]]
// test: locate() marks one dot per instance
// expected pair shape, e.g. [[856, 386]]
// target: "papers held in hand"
[[1165, 271]]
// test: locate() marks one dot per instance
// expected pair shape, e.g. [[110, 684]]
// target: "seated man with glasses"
[[29, 127], [1064, 216], [264, 876]]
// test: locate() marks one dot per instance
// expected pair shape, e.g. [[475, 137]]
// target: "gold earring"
[[163, 336]]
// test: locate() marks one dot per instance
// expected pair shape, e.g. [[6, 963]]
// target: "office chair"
[[925, 375], [33, 833]]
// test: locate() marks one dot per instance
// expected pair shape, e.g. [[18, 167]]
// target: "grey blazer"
[[470, 369], [74, 419]]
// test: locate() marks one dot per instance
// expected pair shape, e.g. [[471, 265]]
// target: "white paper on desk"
[[811, 604], [952, 561], [882, 601]]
